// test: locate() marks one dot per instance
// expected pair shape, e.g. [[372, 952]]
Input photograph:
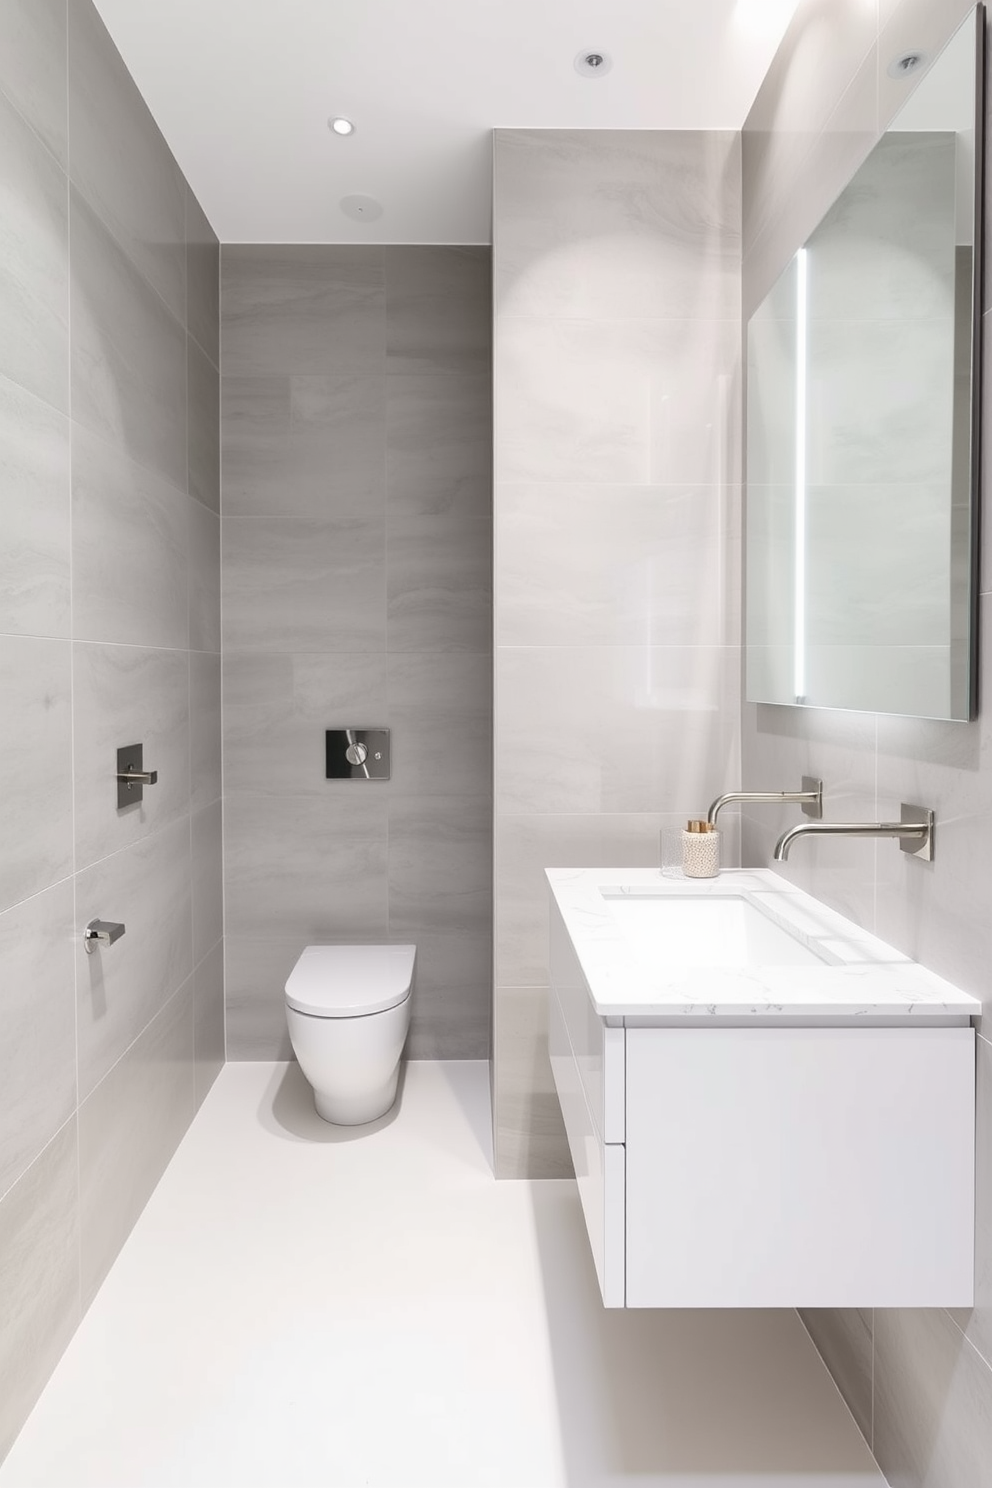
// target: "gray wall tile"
[[304, 446], [438, 309], [312, 868], [129, 549], [440, 871], [39, 1261], [128, 695], [121, 988], [204, 578], [35, 766], [129, 1128], [121, 163], [208, 1021], [277, 708], [205, 729], [255, 974], [451, 1011], [33, 67], [202, 280], [34, 491], [439, 584], [441, 695], [208, 879], [128, 353], [38, 1017], [34, 286], [291, 309], [529, 1135], [302, 584], [203, 413], [439, 444]]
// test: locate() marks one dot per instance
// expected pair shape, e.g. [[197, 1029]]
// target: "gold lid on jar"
[[700, 826]]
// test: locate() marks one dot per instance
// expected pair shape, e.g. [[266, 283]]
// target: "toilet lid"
[[350, 981]]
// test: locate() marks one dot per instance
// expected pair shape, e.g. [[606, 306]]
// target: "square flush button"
[[357, 754]]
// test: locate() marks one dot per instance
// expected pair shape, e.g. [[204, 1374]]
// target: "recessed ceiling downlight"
[[906, 63], [592, 64], [340, 125], [361, 208]]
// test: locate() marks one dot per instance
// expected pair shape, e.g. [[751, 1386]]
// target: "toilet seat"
[[350, 981]]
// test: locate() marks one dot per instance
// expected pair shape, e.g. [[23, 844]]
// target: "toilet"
[[348, 1010]]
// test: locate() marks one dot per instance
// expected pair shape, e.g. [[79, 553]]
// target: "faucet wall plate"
[[920, 847], [132, 777], [357, 754], [813, 808]]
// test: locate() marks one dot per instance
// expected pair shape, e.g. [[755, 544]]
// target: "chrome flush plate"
[[357, 754]]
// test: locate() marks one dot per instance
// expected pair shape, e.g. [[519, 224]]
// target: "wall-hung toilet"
[[348, 1010]]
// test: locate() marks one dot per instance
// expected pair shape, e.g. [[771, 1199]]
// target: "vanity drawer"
[[598, 1050], [599, 1165]]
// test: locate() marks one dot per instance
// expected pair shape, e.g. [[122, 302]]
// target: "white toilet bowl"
[[348, 1010]]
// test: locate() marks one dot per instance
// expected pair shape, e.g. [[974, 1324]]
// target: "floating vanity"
[[765, 1105]]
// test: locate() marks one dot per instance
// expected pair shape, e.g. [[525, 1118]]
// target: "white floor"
[[300, 1306]]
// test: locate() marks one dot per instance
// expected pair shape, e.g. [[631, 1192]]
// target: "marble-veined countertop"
[[860, 979]]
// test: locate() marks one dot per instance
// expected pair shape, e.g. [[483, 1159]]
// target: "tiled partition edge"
[[918, 1383], [617, 539], [109, 634]]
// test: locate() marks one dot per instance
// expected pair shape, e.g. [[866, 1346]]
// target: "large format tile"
[[255, 975], [439, 584], [34, 493], [208, 879], [301, 584], [843, 1337], [32, 66], [438, 309], [35, 765], [121, 988], [614, 223], [120, 162], [304, 446], [208, 1020], [202, 280], [204, 578], [129, 1127], [34, 243], [614, 729], [298, 866], [634, 402], [440, 866], [129, 549], [128, 352], [451, 1013], [441, 713], [302, 308], [933, 1403], [39, 1263], [205, 736], [528, 1129], [655, 563], [37, 1006], [128, 695], [277, 708], [439, 444], [203, 413]]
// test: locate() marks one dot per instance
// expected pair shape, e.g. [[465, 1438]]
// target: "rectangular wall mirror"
[[862, 426]]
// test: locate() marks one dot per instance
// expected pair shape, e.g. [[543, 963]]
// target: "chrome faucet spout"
[[914, 830], [810, 797]]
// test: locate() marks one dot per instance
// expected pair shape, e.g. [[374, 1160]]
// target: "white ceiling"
[[242, 90]]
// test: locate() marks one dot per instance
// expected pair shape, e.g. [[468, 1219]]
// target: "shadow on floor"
[[287, 1110], [673, 1397]]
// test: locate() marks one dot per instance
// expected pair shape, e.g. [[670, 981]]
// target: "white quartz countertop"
[[861, 977]]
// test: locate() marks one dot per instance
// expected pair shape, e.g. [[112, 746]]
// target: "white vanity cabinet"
[[756, 1153]]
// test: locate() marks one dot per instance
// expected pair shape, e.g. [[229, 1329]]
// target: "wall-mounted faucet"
[[810, 797], [914, 829]]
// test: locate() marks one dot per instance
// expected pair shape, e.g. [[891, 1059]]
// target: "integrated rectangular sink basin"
[[712, 930]]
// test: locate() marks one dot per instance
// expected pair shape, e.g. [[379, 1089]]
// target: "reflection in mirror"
[[861, 400]]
